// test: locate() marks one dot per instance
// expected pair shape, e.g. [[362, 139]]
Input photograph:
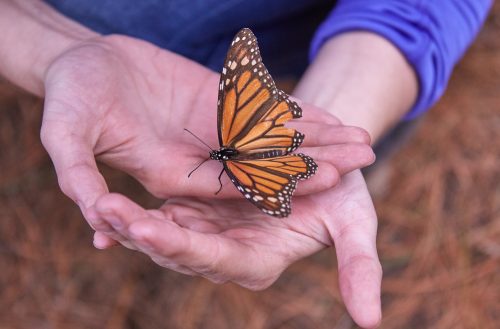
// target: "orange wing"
[[270, 183], [251, 110]]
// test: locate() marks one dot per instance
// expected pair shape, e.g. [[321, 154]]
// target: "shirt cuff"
[[431, 35]]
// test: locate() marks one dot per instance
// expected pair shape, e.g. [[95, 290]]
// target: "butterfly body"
[[255, 146], [223, 154]]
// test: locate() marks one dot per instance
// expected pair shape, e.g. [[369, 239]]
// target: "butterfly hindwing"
[[269, 183], [251, 110]]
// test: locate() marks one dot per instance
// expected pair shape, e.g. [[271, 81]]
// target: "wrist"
[[363, 80], [35, 35]]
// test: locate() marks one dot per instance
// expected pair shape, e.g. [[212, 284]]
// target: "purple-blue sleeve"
[[432, 35]]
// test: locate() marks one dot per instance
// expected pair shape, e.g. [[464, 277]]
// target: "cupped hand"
[[127, 102], [230, 240]]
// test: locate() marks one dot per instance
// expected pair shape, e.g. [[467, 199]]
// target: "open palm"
[[229, 240]]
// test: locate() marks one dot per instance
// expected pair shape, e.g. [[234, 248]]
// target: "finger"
[[319, 134], [333, 162], [215, 257], [120, 213], [102, 241], [344, 157], [105, 236], [326, 177], [360, 272], [115, 213], [165, 241], [360, 276]]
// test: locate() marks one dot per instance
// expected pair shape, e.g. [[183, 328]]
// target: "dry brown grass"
[[439, 236]]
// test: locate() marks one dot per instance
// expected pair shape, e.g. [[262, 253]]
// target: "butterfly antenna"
[[198, 166], [198, 138]]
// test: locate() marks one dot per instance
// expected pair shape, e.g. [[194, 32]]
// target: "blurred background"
[[438, 201]]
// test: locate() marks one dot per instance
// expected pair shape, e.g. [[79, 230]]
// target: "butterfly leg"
[[198, 166], [220, 181]]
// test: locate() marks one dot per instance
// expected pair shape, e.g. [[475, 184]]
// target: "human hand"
[[126, 102], [230, 240]]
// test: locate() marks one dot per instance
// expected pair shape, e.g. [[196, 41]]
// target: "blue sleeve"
[[432, 35]]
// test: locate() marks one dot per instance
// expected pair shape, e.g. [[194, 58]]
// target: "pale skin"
[[125, 102]]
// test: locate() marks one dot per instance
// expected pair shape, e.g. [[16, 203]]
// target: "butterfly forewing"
[[270, 183], [251, 110]]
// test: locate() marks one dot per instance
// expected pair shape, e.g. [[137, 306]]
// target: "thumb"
[[74, 162], [75, 167]]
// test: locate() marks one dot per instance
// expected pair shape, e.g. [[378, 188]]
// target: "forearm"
[[362, 79], [33, 35]]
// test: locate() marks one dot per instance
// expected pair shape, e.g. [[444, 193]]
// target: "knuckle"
[[112, 198], [329, 178], [68, 176], [368, 261], [361, 135]]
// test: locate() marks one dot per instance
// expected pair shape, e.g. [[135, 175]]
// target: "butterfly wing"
[[251, 115], [270, 183], [251, 110]]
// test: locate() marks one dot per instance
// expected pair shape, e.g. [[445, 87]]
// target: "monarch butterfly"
[[255, 146]]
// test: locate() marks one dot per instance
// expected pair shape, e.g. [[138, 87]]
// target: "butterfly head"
[[223, 154]]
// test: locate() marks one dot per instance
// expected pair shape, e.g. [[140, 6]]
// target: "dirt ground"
[[439, 234]]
